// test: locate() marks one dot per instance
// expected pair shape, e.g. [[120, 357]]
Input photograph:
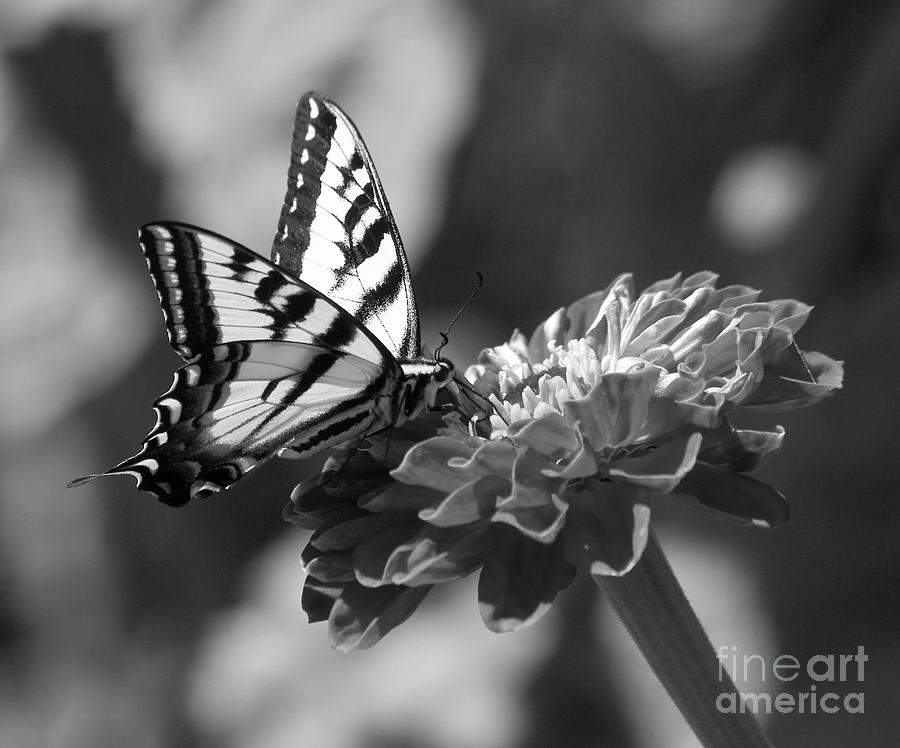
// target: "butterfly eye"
[[443, 370]]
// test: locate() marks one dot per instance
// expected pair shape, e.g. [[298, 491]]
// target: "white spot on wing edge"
[[313, 108], [200, 487], [192, 374], [310, 132], [173, 406], [150, 464], [245, 464]]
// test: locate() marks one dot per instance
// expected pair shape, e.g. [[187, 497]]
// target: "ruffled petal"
[[666, 285], [549, 435], [490, 458], [318, 598], [733, 296], [665, 416], [470, 503], [331, 567], [311, 506], [787, 385], [585, 315], [790, 313], [400, 497], [345, 535], [739, 450], [662, 468], [428, 555], [350, 472], [362, 616], [654, 326], [519, 581], [581, 464], [607, 528], [734, 496], [535, 507], [614, 411], [428, 464], [551, 330]]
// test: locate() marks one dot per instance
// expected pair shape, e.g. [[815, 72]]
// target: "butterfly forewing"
[[213, 291], [336, 231]]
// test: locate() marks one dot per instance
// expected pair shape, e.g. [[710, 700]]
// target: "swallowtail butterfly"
[[288, 357]]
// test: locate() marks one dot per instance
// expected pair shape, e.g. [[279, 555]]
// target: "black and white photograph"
[[449, 374]]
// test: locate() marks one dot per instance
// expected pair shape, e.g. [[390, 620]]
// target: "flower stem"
[[650, 602]]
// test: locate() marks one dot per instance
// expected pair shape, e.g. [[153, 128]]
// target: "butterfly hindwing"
[[336, 230], [240, 403]]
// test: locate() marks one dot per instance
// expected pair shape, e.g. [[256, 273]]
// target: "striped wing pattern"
[[288, 357], [272, 365], [213, 291], [336, 231]]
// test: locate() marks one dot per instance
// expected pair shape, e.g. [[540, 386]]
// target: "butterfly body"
[[289, 357]]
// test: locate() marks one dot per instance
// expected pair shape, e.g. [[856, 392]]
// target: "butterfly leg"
[[349, 449]]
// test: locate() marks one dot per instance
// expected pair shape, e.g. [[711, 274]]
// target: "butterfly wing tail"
[[83, 480], [243, 404]]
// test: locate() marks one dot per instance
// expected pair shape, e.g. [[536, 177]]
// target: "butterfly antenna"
[[444, 341], [473, 396], [445, 333], [812, 377]]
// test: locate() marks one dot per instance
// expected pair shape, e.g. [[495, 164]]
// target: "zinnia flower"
[[612, 401]]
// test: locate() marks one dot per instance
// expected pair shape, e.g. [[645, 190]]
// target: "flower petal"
[[345, 535], [550, 435], [733, 296], [701, 333], [588, 312], [614, 411], [331, 567], [665, 416], [318, 598], [552, 329], [580, 465], [311, 506], [470, 503], [734, 496], [490, 458], [400, 497], [534, 508], [666, 285], [362, 616], [607, 527], [428, 555], [739, 450], [654, 326], [519, 581], [787, 384], [790, 313], [663, 468], [350, 472], [427, 464]]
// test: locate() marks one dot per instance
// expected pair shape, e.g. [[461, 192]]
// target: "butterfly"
[[289, 357]]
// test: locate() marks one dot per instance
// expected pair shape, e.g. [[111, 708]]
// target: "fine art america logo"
[[828, 680]]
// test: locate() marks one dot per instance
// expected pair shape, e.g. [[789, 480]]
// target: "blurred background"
[[550, 145]]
